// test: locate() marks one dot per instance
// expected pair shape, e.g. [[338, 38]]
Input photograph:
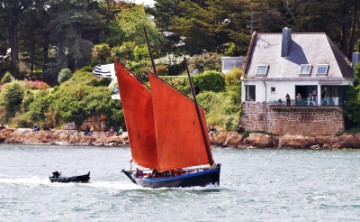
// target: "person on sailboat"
[[139, 173]]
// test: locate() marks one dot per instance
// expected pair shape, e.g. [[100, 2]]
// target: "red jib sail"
[[139, 117], [178, 132]]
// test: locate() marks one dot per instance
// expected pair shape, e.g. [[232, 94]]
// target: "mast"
[[150, 52], [208, 151]]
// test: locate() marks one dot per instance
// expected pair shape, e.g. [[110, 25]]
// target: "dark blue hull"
[[200, 178], [75, 179]]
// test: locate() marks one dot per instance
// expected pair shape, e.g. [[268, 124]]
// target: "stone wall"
[[293, 120]]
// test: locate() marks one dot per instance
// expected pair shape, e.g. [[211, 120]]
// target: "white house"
[[305, 64], [308, 64]]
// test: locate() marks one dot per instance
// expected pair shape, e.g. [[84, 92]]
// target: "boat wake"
[[112, 185], [25, 181], [109, 185]]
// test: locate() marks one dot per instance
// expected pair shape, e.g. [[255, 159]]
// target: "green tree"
[[11, 96], [34, 39], [337, 18], [352, 105], [71, 25], [11, 11], [132, 20], [205, 25]]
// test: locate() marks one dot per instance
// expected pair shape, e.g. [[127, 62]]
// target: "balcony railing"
[[328, 101]]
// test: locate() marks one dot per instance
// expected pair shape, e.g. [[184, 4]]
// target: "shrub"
[[206, 61], [181, 83], [7, 78], [36, 85], [64, 75], [232, 78], [223, 112], [101, 52], [28, 99], [175, 69], [11, 97], [209, 81], [86, 69], [162, 70]]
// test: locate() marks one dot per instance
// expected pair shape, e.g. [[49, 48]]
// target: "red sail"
[[178, 132], [139, 117]]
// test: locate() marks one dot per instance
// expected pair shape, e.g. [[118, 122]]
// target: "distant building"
[[228, 63], [305, 64]]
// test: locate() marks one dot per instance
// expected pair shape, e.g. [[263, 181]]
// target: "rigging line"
[[208, 151], [150, 52]]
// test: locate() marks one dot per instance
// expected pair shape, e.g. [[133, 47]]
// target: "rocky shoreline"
[[222, 139]]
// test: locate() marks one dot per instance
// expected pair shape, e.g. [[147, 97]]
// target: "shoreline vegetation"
[[221, 140]]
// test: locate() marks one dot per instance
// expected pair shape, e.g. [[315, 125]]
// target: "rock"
[[296, 141], [232, 140], [218, 139], [61, 137], [70, 126], [221, 139], [346, 141], [259, 140], [315, 147]]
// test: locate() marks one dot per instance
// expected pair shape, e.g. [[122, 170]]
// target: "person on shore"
[[36, 127], [240, 129], [120, 132], [288, 101], [87, 130], [212, 131], [46, 127], [111, 132]]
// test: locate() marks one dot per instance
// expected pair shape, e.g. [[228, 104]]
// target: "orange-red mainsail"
[[139, 117], [178, 132]]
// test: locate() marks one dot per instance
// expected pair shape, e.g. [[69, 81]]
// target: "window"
[[262, 69], [250, 93], [305, 69], [273, 89], [322, 69]]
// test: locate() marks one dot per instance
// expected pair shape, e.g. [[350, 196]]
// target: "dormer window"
[[262, 70], [305, 69], [322, 69]]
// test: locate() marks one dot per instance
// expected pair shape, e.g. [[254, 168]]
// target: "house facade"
[[306, 67]]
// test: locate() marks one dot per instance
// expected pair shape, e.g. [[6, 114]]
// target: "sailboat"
[[167, 134]]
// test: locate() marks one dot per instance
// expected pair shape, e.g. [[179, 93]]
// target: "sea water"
[[256, 185]]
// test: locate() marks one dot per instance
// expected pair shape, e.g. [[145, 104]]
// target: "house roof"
[[304, 48]]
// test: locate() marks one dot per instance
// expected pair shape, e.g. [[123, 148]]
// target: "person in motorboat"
[[56, 174]]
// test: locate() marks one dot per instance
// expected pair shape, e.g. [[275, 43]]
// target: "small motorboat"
[[56, 177]]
